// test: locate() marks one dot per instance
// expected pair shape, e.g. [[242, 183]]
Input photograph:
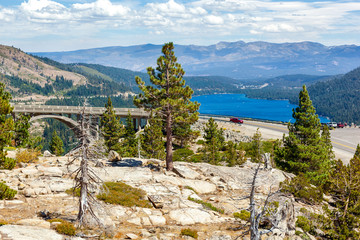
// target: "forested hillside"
[[339, 98]]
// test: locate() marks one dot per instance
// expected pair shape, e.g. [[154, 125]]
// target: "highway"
[[344, 140]]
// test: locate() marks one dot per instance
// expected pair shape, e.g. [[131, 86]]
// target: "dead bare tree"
[[86, 180], [258, 214]]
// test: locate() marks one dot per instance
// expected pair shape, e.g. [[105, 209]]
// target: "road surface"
[[344, 140]]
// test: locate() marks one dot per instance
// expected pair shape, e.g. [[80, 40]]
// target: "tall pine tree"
[[129, 143], [168, 97], [111, 128], [56, 144], [152, 140], [304, 150], [22, 134], [6, 127], [214, 140]]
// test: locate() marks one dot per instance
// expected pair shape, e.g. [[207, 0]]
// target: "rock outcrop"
[[177, 198]]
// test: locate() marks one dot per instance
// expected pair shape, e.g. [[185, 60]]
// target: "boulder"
[[189, 216], [34, 222], [114, 156], [156, 200], [16, 232], [48, 154]]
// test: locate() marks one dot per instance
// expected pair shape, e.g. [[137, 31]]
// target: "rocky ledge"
[[41, 191]]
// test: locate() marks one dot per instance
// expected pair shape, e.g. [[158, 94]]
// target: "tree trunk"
[[169, 153]]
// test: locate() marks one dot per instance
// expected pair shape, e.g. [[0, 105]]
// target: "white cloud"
[[195, 21], [100, 8], [282, 27], [215, 20]]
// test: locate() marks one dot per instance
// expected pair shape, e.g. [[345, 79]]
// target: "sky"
[[63, 25]]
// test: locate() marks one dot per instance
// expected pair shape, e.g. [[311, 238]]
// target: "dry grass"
[[27, 156], [123, 194]]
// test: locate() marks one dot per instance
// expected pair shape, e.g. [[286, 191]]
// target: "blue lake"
[[238, 105]]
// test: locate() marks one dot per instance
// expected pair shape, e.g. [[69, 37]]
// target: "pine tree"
[[152, 140], [111, 128], [214, 140], [256, 150], [168, 97], [184, 134], [303, 150], [129, 144], [22, 134], [6, 128], [345, 190], [56, 144]]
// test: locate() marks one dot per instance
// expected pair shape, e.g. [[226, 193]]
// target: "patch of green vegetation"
[[243, 215], [123, 194], [189, 232], [302, 190], [182, 154], [188, 187], [206, 205], [66, 228], [71, 191], [303, 223], [6, 192]]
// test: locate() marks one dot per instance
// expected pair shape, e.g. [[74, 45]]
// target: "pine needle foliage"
[[111, 128], [304, 150], [56, 144], [6, 127], [214, 140], [168, 97], [152, 140]]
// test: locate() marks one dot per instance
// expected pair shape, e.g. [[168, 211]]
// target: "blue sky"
[[61, 25]]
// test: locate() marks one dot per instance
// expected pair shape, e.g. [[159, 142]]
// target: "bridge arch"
[[72, 124]]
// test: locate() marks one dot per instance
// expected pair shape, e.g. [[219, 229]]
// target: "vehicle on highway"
[[340, 125], [332, 124], [236, 120]]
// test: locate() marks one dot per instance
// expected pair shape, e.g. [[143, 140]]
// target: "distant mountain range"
[[237, 60]]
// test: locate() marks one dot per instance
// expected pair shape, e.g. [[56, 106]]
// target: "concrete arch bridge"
[[64, 114]]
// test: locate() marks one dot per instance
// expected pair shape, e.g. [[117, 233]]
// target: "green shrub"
[[243, 215], [182, 154], [196, 158], [200, 142], [123, 194], [302, 190], [71, 191], [6, 192], [303, 223], [206, 205], [66, 228], [8, 163], [189, 232]]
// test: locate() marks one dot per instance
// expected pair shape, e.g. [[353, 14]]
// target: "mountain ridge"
[[238, 60]]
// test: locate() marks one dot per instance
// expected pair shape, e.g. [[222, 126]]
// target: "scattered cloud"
[[124, 22]]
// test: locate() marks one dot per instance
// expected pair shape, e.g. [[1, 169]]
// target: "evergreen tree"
[[168, 97], [345, 190], [214, 140], [303, 150], [152, 141], [129, 143], [256, 150], [22, 125], [184, 134], [56, 144], [6, 128], [111, 128]]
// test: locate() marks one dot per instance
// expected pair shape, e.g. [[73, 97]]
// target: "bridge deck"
[[49, 109]]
